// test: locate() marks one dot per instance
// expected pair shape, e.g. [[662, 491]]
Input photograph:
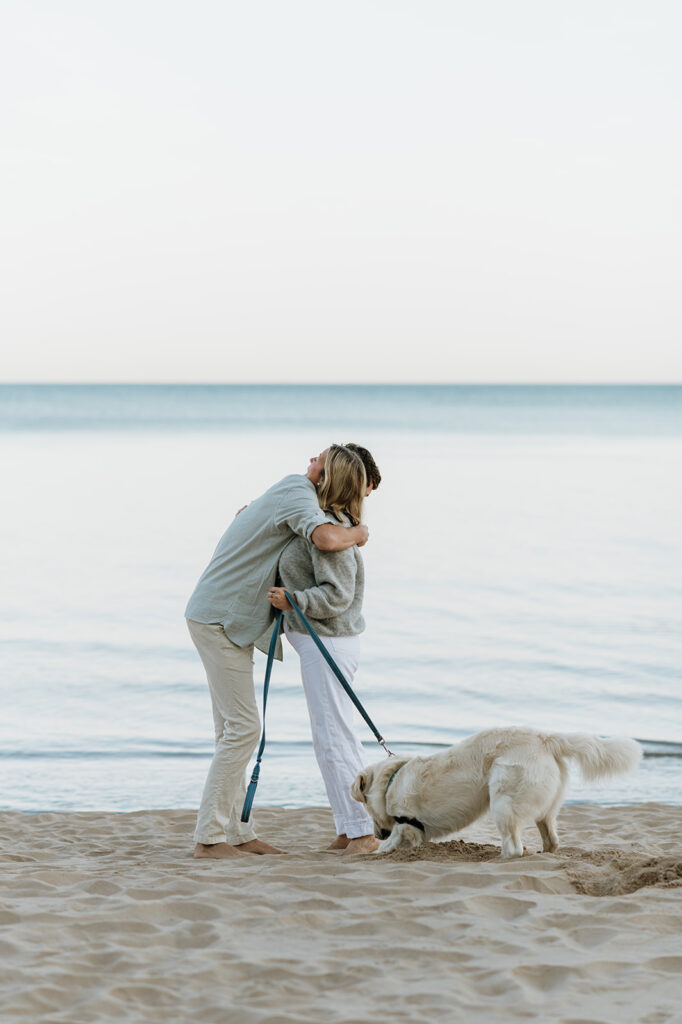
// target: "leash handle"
[[339, 675], [251, 791]]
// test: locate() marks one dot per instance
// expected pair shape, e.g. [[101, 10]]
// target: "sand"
[[106, 917]]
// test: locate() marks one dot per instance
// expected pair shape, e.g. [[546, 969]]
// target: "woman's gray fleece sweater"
[[328, 587]]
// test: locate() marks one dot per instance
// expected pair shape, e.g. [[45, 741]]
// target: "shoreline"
[[284, 807], [125, 784], [107, 917]]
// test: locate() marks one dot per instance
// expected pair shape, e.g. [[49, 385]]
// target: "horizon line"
[[342, 383]]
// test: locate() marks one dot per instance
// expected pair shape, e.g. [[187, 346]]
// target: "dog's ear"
[[357, 790]]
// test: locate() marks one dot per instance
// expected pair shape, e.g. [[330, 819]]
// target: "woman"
[[328, 588]]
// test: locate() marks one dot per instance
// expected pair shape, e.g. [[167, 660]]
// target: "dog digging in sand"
[[519, 774]]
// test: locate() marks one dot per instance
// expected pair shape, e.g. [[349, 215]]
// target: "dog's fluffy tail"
[[596, 757]]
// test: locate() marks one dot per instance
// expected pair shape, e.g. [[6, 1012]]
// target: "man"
[[227, 613]]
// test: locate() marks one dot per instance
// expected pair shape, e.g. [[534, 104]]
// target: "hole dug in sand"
[[616, 873], [591, 872], [454, 850]]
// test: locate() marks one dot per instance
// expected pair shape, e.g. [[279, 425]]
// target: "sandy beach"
[[107, 917]]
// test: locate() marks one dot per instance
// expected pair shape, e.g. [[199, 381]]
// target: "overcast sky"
[[366, 190]]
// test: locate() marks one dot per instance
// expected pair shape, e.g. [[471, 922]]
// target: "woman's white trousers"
[[339, 752]]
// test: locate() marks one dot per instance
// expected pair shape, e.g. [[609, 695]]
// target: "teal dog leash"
[[251, 791]]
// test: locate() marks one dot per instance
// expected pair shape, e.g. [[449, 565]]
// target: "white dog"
[[519, 774]]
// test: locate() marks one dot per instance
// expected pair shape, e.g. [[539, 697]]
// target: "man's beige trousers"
[[229, 670]]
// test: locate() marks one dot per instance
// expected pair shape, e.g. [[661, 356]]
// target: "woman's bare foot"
[[340, 843], [257, 846], [216, 851], [363, 844]]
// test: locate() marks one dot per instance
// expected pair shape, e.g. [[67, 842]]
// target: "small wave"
[[661, 748], [651, 748]]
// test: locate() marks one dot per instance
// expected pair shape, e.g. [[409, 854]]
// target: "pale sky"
[[366, 190]]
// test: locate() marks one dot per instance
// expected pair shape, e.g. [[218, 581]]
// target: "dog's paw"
[[515, 854], [403, 837]]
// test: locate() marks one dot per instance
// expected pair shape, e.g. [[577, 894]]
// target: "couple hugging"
[[304, 532]]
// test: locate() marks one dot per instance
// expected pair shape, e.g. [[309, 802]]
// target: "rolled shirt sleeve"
[[296, 511]]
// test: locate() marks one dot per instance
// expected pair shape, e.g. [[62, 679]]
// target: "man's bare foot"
[[340, 843], [257, 846], [216, 851], [363, 844]]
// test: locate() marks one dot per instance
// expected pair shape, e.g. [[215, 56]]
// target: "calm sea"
[[524, 567]]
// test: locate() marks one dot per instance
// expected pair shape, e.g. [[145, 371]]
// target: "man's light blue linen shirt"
[[233, 588]]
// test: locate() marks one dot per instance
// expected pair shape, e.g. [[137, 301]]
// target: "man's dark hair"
[[371, 468]]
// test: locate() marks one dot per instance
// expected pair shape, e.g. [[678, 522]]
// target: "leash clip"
[[382, 743]]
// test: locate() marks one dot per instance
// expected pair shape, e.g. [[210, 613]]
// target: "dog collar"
[[401, 820], [410, 821]]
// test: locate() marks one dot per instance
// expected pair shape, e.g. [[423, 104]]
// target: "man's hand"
[[364, 535], [278, 598]]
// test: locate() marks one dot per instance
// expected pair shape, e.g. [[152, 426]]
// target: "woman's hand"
[[278, 598]]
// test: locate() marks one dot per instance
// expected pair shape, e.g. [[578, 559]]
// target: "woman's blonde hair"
[[342, 488]]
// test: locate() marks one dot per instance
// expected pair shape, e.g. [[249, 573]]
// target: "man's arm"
[[329, 537], [299, 510]]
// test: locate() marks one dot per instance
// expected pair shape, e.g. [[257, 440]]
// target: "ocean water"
[[524, 567]]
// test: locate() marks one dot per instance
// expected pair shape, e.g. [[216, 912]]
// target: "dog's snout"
[[382, 833]]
